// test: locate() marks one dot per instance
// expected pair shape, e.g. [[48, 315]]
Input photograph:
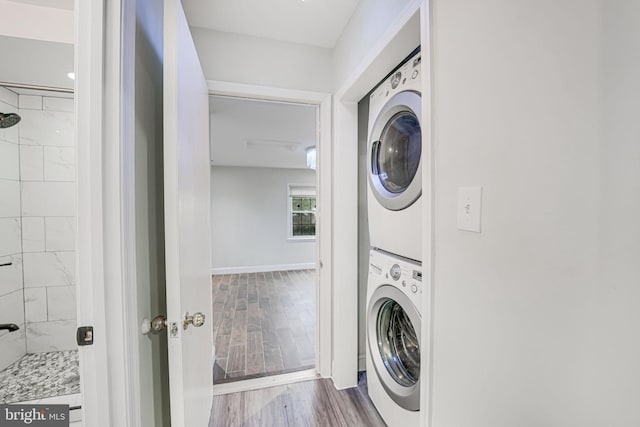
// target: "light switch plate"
[[469, 208]]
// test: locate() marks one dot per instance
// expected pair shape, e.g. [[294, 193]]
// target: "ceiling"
[[58, 4], [254, 133], [311, 22]]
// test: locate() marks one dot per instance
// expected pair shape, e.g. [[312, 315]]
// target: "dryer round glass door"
[[393, 334], [396, 155], [395, 147]]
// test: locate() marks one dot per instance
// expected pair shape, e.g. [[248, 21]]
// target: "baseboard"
[[262, 268]]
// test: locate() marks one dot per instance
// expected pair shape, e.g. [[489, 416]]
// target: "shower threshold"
[[51, 377]]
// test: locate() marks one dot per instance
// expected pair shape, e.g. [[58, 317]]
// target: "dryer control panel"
[[406, 77]]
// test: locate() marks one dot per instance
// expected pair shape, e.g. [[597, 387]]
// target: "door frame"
[[397, 41], [104, 54], [324, 334]]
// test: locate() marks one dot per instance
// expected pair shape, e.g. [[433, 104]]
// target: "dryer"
[[393, 322], [394, 164]]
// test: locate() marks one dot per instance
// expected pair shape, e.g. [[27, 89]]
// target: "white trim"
[[89, 59], [388, 52], [295, 239], [428, 230], [114, 301], [101, 301], [296, 190], [324, 233], [345, 249], [104, 37], [132, 372], [264, 382], [324, 230], [262, 268], [222, 88]]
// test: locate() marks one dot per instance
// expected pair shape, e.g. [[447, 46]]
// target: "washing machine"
[[394, 292], [394, 163]]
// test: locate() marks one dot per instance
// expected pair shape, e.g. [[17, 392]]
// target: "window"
[[302, 212]]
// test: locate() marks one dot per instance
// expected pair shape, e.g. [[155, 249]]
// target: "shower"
[[38, 350], [8, 119]]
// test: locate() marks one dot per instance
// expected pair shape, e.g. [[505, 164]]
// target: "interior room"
[[476, 183], [263, 234]]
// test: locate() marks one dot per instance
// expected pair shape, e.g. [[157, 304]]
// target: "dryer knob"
[[414, 289]]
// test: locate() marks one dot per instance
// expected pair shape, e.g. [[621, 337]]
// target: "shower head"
[[8, 119]]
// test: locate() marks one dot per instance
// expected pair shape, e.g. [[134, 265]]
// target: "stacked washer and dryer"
[[394, 287]]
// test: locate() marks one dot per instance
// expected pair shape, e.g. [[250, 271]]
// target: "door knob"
[[197, 320], [155, 325]]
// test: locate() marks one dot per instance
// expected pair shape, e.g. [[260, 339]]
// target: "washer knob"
[[414, 289], [395, 271]]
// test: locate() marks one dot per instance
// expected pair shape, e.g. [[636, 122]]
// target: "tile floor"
[[263, 323], [40, 375]]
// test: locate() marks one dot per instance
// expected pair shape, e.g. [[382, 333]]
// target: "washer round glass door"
[[393, 335], [395, 147]]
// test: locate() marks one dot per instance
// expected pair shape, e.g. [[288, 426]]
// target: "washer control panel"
[[404, 274]]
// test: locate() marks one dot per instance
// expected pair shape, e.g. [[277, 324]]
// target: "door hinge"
[[84, 335]]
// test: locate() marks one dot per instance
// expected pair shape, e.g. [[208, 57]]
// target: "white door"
[[186, 193]]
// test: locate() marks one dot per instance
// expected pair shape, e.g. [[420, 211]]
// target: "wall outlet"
[[469, 208]]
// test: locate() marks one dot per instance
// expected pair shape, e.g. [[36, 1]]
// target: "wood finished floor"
[[263, 324], [309, 403]]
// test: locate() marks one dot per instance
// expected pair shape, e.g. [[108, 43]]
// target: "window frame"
[[300, 190]]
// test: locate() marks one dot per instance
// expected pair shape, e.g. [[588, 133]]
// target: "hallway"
[[309, 403]]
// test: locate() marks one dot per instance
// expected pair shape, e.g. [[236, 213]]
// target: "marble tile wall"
[[12, 344], [47, 191]]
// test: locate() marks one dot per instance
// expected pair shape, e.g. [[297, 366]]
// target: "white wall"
[[23, 61], [258, 61], [527, 331], [366, 27], [617, 295], [249, 217]]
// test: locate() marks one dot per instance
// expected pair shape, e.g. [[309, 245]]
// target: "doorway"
[[264, 246]]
